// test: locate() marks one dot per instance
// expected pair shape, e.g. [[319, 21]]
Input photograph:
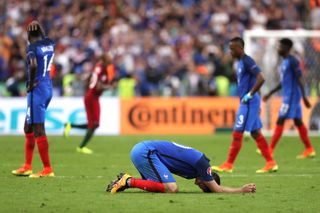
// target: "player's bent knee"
[[171, 188]]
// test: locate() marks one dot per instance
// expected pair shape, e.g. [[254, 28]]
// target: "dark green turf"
[[79, 185]]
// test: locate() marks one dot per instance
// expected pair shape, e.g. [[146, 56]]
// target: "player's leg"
[[89, 134], [237, 138], [92, 106], [43, 149], [277, 133], [271, 165], [26, 169], [125, 181], [253, 125], [284, 113], [303, 132], [234, 149], [42, 96], [68, 126], [155, 176], [79, 126]]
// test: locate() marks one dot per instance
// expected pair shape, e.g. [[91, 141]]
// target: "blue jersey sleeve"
[[31, 52], [203, 168], [49, 41], [295, 66], [251, 66]]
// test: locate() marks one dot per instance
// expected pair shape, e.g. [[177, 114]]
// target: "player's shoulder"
[[293, 60], [249, 63], [248, 59], [31, 47], [48, 41], [44, 42], [31, 50]]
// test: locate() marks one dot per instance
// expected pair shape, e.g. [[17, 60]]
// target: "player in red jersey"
[[101, 78]]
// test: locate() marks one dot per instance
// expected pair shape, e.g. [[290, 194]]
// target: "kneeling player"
[[156, 161]]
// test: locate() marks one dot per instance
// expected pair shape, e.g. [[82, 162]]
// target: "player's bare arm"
[[255, 88], [33, 69], [214, 187], [260, 81], [304, 97], [269, 94]]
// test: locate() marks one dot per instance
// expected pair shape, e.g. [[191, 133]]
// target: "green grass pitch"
[[79, 185]]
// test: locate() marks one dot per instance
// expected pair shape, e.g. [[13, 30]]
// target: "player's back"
[[43, 52], [179, 159], [246, 76], [290, 74]]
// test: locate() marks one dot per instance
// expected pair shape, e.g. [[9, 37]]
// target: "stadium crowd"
[[159, 47]]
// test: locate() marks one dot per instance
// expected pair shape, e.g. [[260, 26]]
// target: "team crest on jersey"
[[209, 171]]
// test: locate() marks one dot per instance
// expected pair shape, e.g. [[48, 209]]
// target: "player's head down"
[[236, 47], [198, 181], [285, 46]]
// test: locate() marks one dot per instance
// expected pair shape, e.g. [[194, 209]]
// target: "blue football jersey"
[[247, 71], [290, 74], [40, 97], [182, 160], [43, 51]]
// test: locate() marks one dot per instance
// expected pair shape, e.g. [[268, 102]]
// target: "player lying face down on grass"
[[156, 161]]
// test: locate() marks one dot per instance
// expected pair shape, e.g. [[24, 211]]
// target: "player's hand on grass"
[[306, 102], [246, 98], [251, 187]]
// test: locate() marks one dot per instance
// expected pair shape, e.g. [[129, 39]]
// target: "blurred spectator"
[[126, 87], [14, 83], [170, 48]]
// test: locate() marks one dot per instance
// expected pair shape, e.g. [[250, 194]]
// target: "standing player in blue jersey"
[[250, 80], [40, 53], [157, 160], [292, 89]]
